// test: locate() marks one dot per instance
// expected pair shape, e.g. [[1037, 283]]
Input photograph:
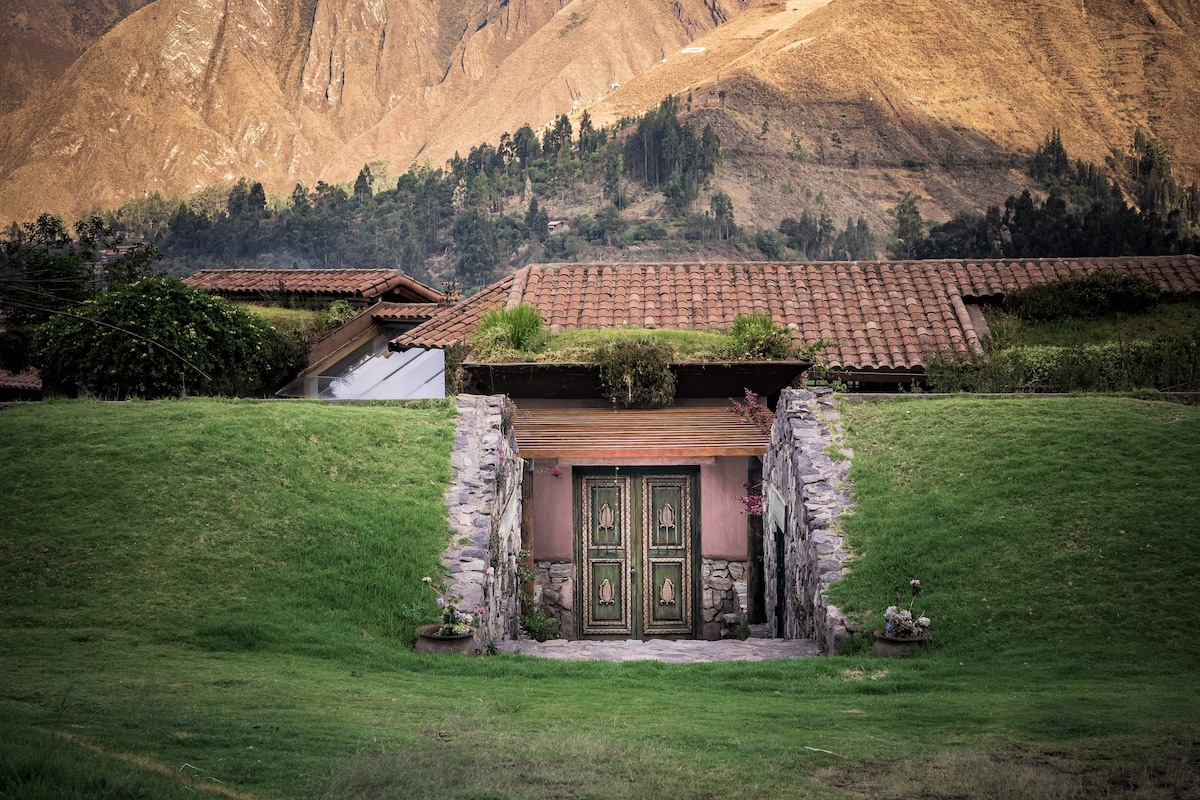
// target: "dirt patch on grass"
[[1022, 776], [187, 774]]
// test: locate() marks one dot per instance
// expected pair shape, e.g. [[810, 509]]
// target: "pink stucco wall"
[[722, 520], [553, 517]]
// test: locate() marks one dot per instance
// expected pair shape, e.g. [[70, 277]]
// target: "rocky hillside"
[[846, 103], [185, 93], [39, 41], [863, 99]]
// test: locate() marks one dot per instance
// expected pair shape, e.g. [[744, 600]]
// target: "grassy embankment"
[[209, 596], [1173, 316]]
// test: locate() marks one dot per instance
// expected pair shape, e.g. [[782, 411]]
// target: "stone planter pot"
[[890, 646], [430, 641]]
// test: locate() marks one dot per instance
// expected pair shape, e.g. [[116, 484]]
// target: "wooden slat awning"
[[663, 433]]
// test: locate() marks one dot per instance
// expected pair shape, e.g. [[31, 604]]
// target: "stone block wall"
[[722, 595], [806, 489], [722, 598], [484, 504], [554, 588]]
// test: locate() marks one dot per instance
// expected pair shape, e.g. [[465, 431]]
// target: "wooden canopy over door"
[[600, 434]]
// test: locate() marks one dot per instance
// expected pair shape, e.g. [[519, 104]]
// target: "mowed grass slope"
[[235, 627], [302, 527]]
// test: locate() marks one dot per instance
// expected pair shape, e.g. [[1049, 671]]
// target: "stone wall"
[[484, 503], [806, 488], [722, 598], [554, 588]]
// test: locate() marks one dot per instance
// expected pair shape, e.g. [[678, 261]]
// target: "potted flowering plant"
[[902, 629], [454, 633]]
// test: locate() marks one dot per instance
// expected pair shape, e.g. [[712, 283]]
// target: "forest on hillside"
[[594, 193]]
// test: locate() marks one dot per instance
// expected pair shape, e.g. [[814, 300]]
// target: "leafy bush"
[[505, 334], [756, 337], [564, 246], [1084, 297], [652, 230], [636, 373], [336, 314], [771, 244], [157, 337], [538, 623]]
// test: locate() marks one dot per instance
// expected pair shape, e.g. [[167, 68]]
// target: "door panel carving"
[[637, 544], [605, 556]]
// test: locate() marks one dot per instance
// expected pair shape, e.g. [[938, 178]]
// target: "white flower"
[[923, 622]]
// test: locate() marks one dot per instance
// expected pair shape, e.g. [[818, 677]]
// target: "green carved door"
[[636, 542]]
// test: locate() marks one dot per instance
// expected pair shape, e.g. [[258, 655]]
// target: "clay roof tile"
[[882, 314]]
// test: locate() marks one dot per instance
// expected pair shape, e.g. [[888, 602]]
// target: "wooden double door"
[[636, 543]]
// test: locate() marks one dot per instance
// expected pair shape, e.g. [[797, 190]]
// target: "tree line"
[[462, 219], [1084, 213]]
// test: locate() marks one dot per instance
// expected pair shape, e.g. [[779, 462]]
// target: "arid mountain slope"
[[937, 97], [40, 40], [847, 102], [186, 93]]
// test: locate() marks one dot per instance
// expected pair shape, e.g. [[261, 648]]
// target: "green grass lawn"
[[573, 346], [288, 320], [1172, 316], [206, 596]]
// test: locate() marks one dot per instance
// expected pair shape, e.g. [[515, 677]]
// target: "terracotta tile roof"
[[882, 314], [24, 381], [366, 283], [404, 312]]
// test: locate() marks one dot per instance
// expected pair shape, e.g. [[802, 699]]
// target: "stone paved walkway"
[[682, 651]]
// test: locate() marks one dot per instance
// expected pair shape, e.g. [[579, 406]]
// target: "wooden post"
[[756, 611], [527, 526]]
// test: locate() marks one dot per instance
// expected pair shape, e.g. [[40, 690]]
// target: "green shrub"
[[157, 337], [653, 230], [1084, 297], [336, 314], [538, 623], [756, 337], [636, 373], [505, 334]]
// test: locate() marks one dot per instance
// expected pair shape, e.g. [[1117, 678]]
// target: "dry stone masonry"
[[807, 488], [722, 598], [554, 588], [484, 504]]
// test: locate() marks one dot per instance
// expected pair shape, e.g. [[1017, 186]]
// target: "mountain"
[[839, 105], [39, 41], [938, 97], [185, 93]]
